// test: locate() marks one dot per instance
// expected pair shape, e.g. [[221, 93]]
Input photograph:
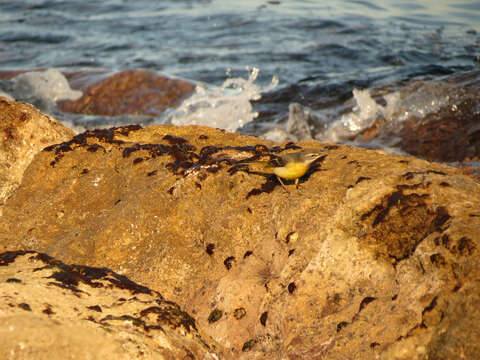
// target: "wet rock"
[[374, 256], [50, 310], [24, 131], [126, 92], [110, 93], [450, 133]]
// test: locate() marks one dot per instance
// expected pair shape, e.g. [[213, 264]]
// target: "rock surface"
[[24, 131], [50, 310], [374, 256], [125, 92]]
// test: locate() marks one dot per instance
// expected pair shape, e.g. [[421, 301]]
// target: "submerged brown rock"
[[375, 256], [125, 92], [24, 131], [50, 310], [450, 133], [117, 93]]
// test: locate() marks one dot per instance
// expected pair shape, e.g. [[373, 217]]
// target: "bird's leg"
[[281, 183], [296, 182]]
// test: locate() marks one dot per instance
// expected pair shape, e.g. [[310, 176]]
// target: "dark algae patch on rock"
[[401, 221], [215, 315]]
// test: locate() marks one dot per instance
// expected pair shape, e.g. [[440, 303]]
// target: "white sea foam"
[[363, 116], [418, 99], [49, 86], [227, 107], [421, 99], [6, 95], [298, 126]]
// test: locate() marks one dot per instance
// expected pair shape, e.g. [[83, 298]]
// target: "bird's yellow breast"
[[291, 171]]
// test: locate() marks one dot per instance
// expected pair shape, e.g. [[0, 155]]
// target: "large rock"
[[374, 256], [125, 92], [50, 310], [24, 131]]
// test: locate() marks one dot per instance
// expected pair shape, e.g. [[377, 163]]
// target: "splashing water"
[[39, 88], [363, 116], [49, 85], [416, 100], [227, 107], [421, 99]]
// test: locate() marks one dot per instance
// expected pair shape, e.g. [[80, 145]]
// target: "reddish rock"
[[126, 92], [449, 134], [82, 80]]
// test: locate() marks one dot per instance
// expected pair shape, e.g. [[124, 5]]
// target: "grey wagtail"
[[291, 166]]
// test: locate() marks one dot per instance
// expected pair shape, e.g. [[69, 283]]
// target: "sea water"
[[278, 69]]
